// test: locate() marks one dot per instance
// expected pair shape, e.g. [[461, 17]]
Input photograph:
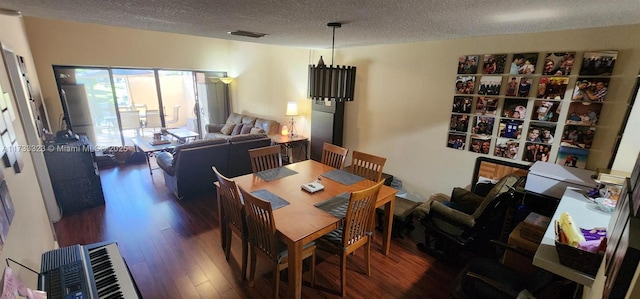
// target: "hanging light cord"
[[333, 43]]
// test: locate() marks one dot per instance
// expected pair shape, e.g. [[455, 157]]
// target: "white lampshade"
[[226, 80], [292, 109]]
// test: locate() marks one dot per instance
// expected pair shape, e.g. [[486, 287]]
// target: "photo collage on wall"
[[587, 98], [523, 95]]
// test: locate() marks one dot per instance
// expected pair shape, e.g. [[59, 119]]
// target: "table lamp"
[[292, 110]]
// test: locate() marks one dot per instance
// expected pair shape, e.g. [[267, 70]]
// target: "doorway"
[[113, 105]]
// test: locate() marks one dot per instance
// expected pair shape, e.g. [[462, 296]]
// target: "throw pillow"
[[236, 129], [256, 131], [246, 128], [227, 129]]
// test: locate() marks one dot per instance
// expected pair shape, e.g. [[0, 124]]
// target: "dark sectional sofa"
[[187, 172]]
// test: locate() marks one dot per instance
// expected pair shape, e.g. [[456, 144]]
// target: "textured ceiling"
[[302, 23]]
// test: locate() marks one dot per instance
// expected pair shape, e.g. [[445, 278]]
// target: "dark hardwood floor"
[[173, 251]]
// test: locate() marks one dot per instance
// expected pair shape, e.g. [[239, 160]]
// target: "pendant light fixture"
[[332, 82]]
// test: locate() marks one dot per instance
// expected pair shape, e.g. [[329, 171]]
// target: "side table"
[[288, 143]]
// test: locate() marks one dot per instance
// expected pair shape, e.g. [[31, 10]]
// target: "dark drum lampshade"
[[331, 82]]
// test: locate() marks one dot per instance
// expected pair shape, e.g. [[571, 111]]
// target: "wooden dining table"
[[300, 222]]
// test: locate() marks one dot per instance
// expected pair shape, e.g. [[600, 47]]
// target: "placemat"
[[275, 173], [342, 177], [336, 206], [275, 200]]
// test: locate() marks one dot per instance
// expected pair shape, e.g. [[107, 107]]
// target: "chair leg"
[[367, 257], [343, 274], [276, 277], [227, 239], [252, 273], [313, 269], [245, 252]]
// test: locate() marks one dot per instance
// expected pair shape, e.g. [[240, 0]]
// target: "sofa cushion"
[[235, 118], [271, 127], [228, 128], [237, 129], [246, 137], [199, 143], [256, 131], [246, 128], [249, 120]]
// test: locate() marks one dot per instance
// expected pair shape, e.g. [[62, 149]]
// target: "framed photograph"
[[514, 108], [541, 132], [465, 85], [9, 124], [9, 156], [482, 125], [494, 63], [5, 99], [468, 64], [558, 63], [3, 125], [4, 225], [490, 85], [578, 136], [457, 141], [486, 105], [590, 90], [459, 123], [584, 115], [536, 152], [572, 157], [552, 88], [510, 128], [513, 82], [598, 63], [12, 112], [506, 148], [546, 110], [462, 104], [480, 144], [6, 201], [523, 63]]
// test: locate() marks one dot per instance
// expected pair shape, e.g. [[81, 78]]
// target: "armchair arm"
[[165, 162], [214, 128], [453, 216], [423, 209]]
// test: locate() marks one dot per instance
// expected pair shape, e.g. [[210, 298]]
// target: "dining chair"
[[152, 120], [355, 232], [367, 165], [333, 155], [130, 120], [264, 158], [263, 240], [233, 217]]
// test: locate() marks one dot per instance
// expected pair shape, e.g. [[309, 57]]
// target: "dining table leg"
[[295, 269], [388, 221]]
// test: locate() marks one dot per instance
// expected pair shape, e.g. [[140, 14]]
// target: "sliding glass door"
[[113, 105]]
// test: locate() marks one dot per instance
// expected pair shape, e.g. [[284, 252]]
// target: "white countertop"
[[585, 214]]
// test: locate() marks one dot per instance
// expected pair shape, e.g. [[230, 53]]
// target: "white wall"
[[404, 94], [30, 233]]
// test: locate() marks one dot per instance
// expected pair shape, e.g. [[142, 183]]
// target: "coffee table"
[[182, 134], [143, 144]]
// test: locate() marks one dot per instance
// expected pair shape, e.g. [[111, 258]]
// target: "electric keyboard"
[[90, 271]]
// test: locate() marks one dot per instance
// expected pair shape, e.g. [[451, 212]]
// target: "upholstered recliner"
[[466, 217]]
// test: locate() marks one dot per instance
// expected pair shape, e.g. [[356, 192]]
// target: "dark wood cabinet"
[[74, 175], [326, 125]]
